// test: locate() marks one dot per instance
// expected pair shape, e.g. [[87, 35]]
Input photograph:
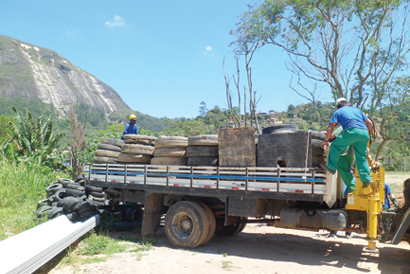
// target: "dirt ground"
[[262, 249]]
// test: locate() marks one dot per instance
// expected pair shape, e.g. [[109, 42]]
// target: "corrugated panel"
[[27, 251]]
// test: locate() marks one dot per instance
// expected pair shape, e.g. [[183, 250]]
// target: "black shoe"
[[331, 171], [366, 184], [332, 234]]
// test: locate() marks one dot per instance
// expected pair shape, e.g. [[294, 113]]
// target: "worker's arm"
[[393, 199], [329, 132], [369, 125]]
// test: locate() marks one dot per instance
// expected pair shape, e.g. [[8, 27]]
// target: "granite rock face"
[[30, 72]]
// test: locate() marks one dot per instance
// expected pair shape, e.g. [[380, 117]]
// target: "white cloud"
[[117, 21], [208, 50]]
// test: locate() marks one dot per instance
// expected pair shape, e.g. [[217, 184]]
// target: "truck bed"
[[310, 184]]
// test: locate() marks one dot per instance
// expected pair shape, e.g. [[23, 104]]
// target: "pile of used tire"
[[202, 150], [71, 198], [137, 149], [170, 150], [108, 151]]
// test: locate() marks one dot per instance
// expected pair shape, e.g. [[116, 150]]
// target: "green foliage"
[[21, 186], [187, 127], [35, 141]]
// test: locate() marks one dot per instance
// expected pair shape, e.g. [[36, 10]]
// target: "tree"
[[77, 144], [357, 48], [203, 109]]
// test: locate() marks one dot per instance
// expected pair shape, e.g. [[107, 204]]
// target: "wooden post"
[[152, 214]]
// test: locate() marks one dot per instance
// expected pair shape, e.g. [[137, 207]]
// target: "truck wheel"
[[187, 224], [230, 230]]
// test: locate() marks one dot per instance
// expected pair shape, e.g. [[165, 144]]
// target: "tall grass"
[[21, 186]]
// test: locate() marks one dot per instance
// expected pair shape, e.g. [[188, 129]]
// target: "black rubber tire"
[[85, 215], [228, 231], [55, 212], [287, 127], [170, 152], [203, 161], [64, 181], [186, 224], [318, 135], [75, 192], [73, 217], [83, 206], [89, 188], [202, 151], [62, 194], [68, 202], [203, 140], [169, 161], [171, 141], [131, 158], [133, 214], [211, 223], [138, 149], [43, 202], [113, 142], [104, 160], [53, 188], [316, 147], [43, 210], [107, 153], [76, 186], [109, 147], [97, 194], [139, 139]]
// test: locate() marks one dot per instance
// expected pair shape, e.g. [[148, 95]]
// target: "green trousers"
[[344, 164], [358, 138]]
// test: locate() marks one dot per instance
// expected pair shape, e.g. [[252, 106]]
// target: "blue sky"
[[162, 57]]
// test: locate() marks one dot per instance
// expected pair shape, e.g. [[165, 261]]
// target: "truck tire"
[[287, 127], [131, 158], [139, 139], [107, 153], [195, 151], [109, 147], [203, 161], [203, 140], [113, 142], [169, 161], [137, 149], [53, 188], [186, 224], [317, 147], [170, 152], [230, 230], [318, 135], [104, 160], [171, 141], [212, 222]]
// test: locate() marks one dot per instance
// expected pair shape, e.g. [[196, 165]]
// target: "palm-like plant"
[[34, 141]]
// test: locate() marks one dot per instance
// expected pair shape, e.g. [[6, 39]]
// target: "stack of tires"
[[137, 149], [108, 151], [170, 150], [318, 154], [70, 198], [202, 150]]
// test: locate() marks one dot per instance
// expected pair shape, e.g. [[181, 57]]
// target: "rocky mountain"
[[29, 72]]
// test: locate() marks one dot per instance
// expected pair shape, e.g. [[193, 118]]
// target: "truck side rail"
[[266, 179]]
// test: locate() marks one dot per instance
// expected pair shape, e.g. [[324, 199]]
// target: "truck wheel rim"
[[183, 225]]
